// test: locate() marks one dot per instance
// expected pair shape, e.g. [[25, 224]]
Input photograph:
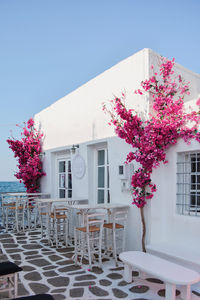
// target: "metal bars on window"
[[188, 183]]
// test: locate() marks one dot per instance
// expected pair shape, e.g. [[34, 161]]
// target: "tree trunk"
[[143, 228]]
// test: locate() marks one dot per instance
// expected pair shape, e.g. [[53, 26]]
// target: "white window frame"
[[188, 183], [106, 187], [66, 173]]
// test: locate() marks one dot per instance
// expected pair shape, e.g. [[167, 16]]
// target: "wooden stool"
[[89, 240], [59, 224], [119, 220]]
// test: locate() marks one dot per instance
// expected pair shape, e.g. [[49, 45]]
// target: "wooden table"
[[12, 199], [85, 208], [60, 200], [50, 202], [27, 195]]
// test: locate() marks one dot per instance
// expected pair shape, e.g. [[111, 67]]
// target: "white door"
[[64, 179]]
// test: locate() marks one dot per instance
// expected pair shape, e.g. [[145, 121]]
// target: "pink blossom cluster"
[[28, 151], [166, 124]]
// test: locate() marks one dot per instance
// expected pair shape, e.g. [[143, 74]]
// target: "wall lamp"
[[74, 147]]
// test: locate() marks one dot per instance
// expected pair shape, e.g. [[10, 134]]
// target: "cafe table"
[[12, 199], [64, 201], [85, 208], [27, 195], [49, 203]]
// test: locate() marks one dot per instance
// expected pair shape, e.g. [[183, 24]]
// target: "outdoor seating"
[[81, 217], [14, 214], [4, 213], [88, 239], [45, 208], [116, 232], [9, 274], [31, 212], [58, 225], [19, 210], [5, 201], [43, 217]]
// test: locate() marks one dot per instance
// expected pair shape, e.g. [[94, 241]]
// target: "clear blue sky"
[[50, 47]]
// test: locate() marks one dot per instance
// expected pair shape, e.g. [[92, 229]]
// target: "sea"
[[11, 187]]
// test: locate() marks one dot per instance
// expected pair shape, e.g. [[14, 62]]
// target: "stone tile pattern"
[[50, 270]]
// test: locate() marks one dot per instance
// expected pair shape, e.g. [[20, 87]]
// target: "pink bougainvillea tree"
[[28, 152], [167, 122]]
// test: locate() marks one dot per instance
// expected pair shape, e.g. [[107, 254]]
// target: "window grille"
[[188, 183]]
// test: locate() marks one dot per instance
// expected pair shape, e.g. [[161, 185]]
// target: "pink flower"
[[198, 102], [30, 123], [27, 152], [150, 139], [26, 132]]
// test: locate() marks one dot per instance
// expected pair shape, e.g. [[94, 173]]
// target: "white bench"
[[171, 273], [185, 254]]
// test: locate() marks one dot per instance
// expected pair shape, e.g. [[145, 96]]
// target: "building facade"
[[84, 159]]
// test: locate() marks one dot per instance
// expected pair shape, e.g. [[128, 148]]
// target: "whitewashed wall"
[[166, 224], [85, 188], [193, 79], [78, 119]]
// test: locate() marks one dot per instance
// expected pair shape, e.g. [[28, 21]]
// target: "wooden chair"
[[31, 211], [5, 202], [14, 214], [59, 225], [88, 239], [117, 226], [43, 216]]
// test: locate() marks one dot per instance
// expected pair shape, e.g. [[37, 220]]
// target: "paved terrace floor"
[[50, 270]]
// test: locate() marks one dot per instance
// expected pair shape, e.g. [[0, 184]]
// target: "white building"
[[78, 119]]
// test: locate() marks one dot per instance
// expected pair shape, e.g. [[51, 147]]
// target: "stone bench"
[[185, 254], [171, 273]]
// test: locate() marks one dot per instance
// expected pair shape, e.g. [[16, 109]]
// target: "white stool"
[[32, 212], [15, 214], [59, 225], [88, 239], [117, 226], [43, 217]]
